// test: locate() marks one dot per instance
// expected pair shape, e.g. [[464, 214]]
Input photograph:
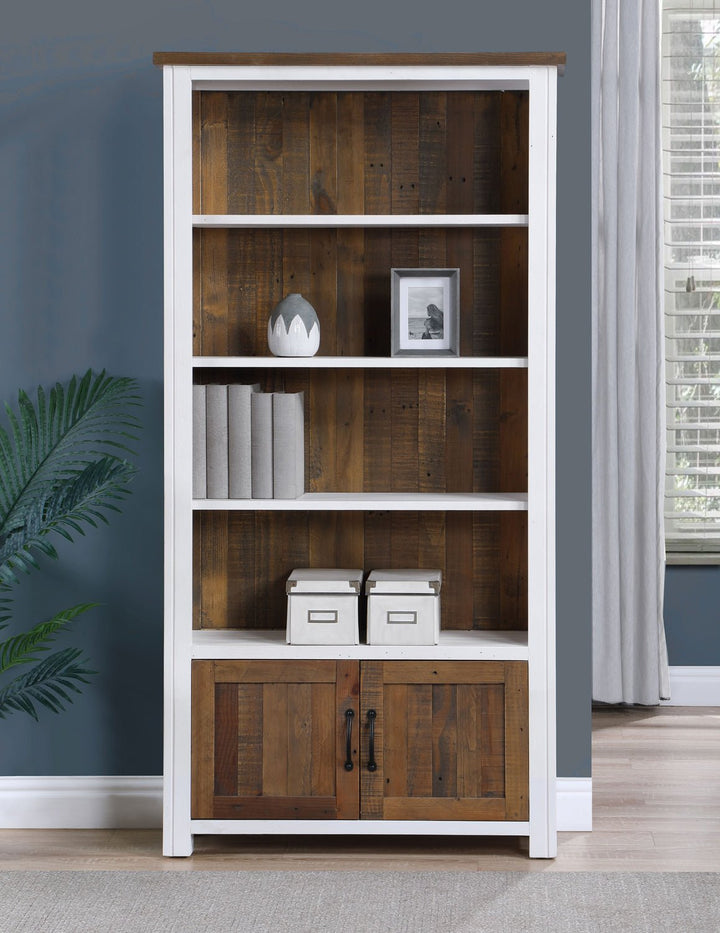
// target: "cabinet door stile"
[[347, 783], [203, 745], [516, 740], [371, 698]]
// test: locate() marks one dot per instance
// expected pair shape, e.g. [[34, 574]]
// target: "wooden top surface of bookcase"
[[556, 59]]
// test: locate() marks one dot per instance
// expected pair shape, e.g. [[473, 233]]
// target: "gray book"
[[288, 445], [216, 407], [239, 445], [261, 438], [199, 444]]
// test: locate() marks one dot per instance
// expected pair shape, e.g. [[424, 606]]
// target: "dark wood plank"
[[486, 151], [419, 740], [213, 160], [322, 423], [395, 741], [349, 407], [270, 807], [349, 326], [214, 571], [299, 750], [484, 291], [196, 151], [350, 152], [433, 148], [491, 740], [203, 724], [242, 294], [486, 427], [275, 739], [323, 130], [468, 761], [431, 437], [268, 246], [250, 739], [442, 672], [377, 437], [405, 134], [197, 569], [268, 152], [323, 287], [241, 570], [226, 739], [295, 152], [431, 543], [513, 556], [457, 591], [241, 152], [516, 741], [486, 570], [460, 141], [378, 152], [323, 740], [404, 453], [197, 298], [444, 740], [347, 783], [459, 430], [443, 808], [404, 540], [275, 672], [214, 300], [371, 782], [514, 151], [378, 545]]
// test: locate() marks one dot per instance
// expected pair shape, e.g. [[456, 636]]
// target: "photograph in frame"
[[425, 312]]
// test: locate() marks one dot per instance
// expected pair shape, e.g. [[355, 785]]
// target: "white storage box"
[[323, 606], [403, 607]]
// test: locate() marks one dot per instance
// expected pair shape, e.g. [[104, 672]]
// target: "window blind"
[[691, 188]]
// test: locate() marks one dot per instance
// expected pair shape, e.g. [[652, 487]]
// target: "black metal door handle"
[[372, 764], [349, 716]]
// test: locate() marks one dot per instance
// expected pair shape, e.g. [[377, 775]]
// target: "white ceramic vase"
[[294, 328]]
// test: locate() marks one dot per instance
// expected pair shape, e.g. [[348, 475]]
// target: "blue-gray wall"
[[81, 286]]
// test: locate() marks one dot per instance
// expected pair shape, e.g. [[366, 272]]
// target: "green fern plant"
[[62, 468]]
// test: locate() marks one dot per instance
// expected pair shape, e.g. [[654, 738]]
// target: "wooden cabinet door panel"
[[269, 740], [450, 740]]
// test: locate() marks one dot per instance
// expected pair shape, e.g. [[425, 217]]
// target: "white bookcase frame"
[[181, 645]]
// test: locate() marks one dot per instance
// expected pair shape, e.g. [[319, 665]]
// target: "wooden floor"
[[656, 788]]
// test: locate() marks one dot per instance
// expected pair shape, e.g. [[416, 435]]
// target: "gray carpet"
[[356, 902]]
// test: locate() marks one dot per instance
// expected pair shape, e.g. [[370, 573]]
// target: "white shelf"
[[374, 501], [360, 362], [225, 645], [359, 220]]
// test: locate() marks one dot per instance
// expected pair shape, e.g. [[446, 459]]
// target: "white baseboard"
[[80, 802], [694, 686], [136, 803], [574, 805]]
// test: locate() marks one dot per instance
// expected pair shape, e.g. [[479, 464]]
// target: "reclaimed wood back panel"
[[376, 152], [246, 558]]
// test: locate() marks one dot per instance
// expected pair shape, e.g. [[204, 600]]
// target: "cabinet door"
[[450, 740], [269, 740]]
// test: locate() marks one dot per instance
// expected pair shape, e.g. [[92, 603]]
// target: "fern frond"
[[50, 684], [64, 509], [21, 648], [56, 438]]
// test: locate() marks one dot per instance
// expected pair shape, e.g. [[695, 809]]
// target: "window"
[[691, 184]]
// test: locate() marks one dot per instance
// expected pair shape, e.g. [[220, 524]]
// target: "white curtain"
[[628, 420]]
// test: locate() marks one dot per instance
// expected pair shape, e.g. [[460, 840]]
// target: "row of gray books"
[[247, 444]]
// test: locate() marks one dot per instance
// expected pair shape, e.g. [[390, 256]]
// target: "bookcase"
[[319, 174]]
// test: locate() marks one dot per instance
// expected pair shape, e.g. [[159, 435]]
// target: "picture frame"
[[425, 309]]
